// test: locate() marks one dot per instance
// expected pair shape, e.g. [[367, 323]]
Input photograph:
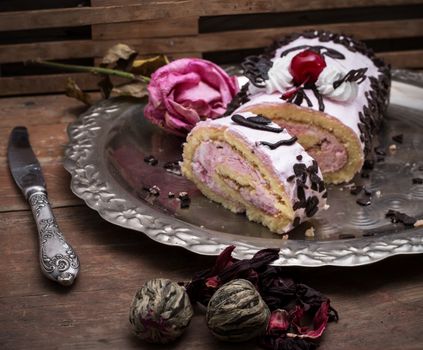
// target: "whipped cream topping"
[[345, 92], [280, 79]]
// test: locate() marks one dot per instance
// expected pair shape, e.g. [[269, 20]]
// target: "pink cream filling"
[[329, 153], [209, 155]]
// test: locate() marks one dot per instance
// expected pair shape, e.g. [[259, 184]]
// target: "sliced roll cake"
[[328, 90], [250, 164]]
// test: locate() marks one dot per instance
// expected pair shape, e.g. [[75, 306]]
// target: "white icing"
[[345, 92], [279, 161]]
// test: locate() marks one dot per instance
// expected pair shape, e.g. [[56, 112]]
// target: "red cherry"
[[306, 67]]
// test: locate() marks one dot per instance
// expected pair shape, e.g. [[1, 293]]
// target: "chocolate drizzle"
[[357, 75], [249, 123], [273, 146], [319, 99], [321, 50]]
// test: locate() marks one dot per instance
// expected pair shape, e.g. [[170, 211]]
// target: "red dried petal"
[[212, 282], [223, 260], [278, 322], [320, 322]]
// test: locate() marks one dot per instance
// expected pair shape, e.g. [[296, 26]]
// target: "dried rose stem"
[[91, 69]]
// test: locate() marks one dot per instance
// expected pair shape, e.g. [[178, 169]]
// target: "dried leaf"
[[73, 90], [134, 89], [148, 66], [120, 57]]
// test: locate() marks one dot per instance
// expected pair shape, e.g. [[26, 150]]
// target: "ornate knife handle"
[[58, 260]]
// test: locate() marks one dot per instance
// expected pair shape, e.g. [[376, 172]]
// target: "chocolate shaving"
[[240, 98], [311, 206], [398, 138], [356, 190], [380, 151], [397, 216], [173, 168], [417, 181], [239, 119], [259, 119], [364, 201], [256, 69], [151, 160], [296, 221]]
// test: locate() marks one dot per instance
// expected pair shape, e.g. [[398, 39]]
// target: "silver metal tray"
[[105, 157]]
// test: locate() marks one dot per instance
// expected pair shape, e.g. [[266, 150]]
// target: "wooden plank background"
[[172, 27]]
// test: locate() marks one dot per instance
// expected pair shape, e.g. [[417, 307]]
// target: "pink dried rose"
[[186, 91]]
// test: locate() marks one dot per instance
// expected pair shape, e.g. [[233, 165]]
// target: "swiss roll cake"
[[328, 90], [250, 164]]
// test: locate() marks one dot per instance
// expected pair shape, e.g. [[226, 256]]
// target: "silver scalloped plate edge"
[[98, 194]]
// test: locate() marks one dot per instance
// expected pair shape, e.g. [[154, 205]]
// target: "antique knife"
[[59, 261]]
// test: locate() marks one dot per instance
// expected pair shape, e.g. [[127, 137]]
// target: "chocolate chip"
[[151, 160], [398, 138], [290, 178], [299, 157], [417, 181], [299, 169]]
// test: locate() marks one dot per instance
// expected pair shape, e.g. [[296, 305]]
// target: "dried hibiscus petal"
[[291, 303]]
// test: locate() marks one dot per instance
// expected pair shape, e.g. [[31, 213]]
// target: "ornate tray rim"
[[98, 190]]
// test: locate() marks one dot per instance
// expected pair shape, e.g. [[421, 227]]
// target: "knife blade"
[[58, 259]]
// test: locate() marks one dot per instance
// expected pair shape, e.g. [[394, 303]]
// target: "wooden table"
[[380, 305]]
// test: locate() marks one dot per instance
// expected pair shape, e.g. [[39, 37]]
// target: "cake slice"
[[327, 89], [250, 164]]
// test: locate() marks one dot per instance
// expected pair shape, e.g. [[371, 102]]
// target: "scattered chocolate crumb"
[[380, 151], [146, 187], [369, 164], [171, 195], [173, 168], [299, 157], [367, 191], [185, 201], [151, 160], [368, 234], [380, 159], [346, 236], [397, 216], [417, 181], [356, 190], [398, 138], [364, 200], [154, 190]]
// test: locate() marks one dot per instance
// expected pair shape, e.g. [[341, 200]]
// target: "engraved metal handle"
[[58, 260]]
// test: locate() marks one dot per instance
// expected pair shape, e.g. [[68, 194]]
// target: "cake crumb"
[[326, 207], [309, 232], [378, 194], [284, 237], [393, 147], [418, 223]]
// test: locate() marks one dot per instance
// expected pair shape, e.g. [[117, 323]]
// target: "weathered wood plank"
[[36, 84], [146, 29], [404, 59], [169, 9], [223, 41], [115, 262]]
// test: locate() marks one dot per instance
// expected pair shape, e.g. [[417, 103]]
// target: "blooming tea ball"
[[236, 312], [160, 311]]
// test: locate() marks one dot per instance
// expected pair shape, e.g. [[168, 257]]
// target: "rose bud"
[[186, 91]]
